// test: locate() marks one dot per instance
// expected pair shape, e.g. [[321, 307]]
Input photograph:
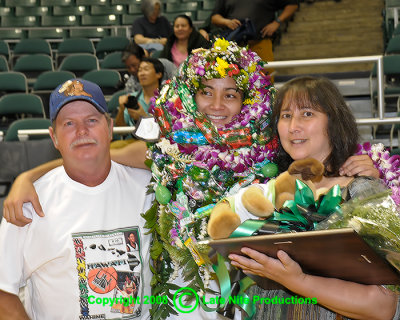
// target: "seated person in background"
[[90, 202], [131, 56], [150, 74], [229, 13], [152, 30], [184, 39], [313, 121]]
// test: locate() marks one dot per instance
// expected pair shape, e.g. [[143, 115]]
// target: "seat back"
[[107, 80], [113, 61], [74, 45], [393, 46], [110, 44], [30, 46], [4, 49], [80, 63], [22, 124], [16, 106], [21, 103], [12, 81], [3, 64], [33, 64], [113, 103], [47, 82]]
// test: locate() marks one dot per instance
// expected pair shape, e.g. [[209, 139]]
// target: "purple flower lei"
[[388, 166]]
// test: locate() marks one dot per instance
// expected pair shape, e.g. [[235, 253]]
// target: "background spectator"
[[152, 30], [132, 56], [184, 39], [228, 14]]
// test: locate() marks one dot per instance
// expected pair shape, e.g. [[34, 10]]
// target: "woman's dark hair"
[[184, 16], [133, 49], [158, 67], [322, 95]]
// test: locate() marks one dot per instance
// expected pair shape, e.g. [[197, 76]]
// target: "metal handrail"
[[345, 60], [23, 134]]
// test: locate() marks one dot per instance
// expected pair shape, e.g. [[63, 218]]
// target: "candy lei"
[[388, 166], [194, 164]]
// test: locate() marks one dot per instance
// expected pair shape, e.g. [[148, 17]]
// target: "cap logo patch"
[[73, 88]]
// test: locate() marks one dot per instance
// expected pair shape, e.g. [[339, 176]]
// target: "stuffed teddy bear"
[[257, 201]]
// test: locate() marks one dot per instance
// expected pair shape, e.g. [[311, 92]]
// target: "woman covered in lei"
[[204, 153]]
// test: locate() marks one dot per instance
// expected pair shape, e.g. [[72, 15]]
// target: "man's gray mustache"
[[83, 141]]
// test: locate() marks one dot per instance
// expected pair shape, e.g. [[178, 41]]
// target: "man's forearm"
[[218, 20], [11, 307], [288, 11]]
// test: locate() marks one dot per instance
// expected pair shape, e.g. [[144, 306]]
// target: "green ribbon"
[[223, 277], [247, 228], [250, 307]]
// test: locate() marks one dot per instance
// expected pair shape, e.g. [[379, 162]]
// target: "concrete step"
[[342, 13], [337, 24], [334, 36], [332, 5], [327, 50], [325, 69]]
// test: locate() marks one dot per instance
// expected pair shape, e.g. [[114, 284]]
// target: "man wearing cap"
[[73, 260]]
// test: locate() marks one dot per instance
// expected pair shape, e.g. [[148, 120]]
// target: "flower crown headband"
[[224, 59]]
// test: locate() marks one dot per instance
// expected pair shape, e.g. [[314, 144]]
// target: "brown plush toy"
[[224, 220]]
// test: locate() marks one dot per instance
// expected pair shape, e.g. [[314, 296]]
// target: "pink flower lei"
[[388, 166]]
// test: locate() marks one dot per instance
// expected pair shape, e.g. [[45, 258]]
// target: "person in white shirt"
[[73, 261]]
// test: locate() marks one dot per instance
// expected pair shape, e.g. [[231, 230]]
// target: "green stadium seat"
[[107, 80], [60, 21], [127, 19], [30, 46], [171, 15], [47, 82], [123, 2], [4, 64], [180, 7], [12, 81], [32, 65], [80, 63], [106, 20], [134, 9], [4, 49], [12, 34], [21, 103], [5, 11], [44, 33], [92, 2], [113, 103], [89, 32], [70, 11], [107, 10], [12, 22], [208, 4], [27, 124], [110, 44], [203, 14], [113, 61], [64, 3], [74, 45], [21, 3], [393, 46], [31, 11]]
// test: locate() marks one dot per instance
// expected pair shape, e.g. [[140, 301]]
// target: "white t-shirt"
[[76, 257]]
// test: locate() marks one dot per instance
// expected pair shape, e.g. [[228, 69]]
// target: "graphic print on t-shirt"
[[109, 269]]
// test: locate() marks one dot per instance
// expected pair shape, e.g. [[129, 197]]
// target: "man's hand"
[[360, 165], [22, 191], [205, 34], [232, 23], [270, 29]]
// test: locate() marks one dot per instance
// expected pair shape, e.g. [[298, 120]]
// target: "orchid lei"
[[388, 166], [195, 164]]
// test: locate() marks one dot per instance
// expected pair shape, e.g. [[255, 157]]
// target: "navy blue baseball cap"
[[76, 89]]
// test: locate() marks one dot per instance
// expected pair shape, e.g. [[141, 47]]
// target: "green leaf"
[[156, 249]]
